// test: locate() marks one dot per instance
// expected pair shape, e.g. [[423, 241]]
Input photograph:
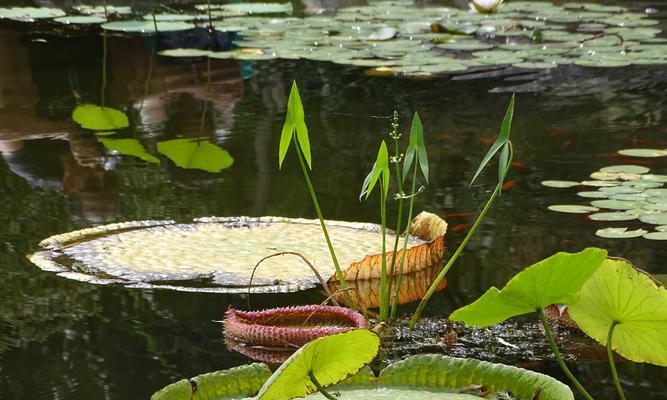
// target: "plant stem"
[[316, 204], [394, 304], [320, 387], [478, 221], [104, 68], [450, 263], [399, 180], [559, 357], [384, 292], [612, 364]]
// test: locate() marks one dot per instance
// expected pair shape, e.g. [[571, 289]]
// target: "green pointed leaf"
[[304, 143], [97, 118], [408, 159], [367, 181], [620, 293], [129, 147], [555, 280], [503, 162], [285, 140], [503, 137], [196, 154], [417, 142], [330, 359], [380, 169], [242, 381]]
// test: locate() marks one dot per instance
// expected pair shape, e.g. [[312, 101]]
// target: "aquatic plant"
[[485, 6], [290, 326], [420, 377], [555, 280], [295, 129], [504, 145], [626, 310]]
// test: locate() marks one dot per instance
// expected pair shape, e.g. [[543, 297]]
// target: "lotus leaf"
[[99, 118]]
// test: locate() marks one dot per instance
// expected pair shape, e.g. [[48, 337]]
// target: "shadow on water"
[[69, 340]]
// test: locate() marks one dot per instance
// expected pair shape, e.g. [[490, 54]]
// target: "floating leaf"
[[628, 169], [656, 219], [618, 293], [594, 194], [600, 183], [186, 53], [30, 13], [129, 147], [555, 280], [196, 154], [329, 359], [244, 380], [560, 184], [619, 233], [251, 8], [656, 236], [80, 19], [98, 118], [643, 152], [617, 204], [573, 208], [613, 216], [147, 26]]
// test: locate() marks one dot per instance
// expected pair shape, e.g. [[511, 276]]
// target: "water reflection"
[[61, 339]]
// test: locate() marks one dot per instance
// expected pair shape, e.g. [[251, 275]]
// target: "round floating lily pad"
[[656, 235], [655, 207], [147, 26], [80, 19], [654, 178], [629, 169], [251, 8], [596, 194], [658, 218], [629, 197], [185, 53], [467, 46], [617, 204], [655, 192], [600, 183], [173, 17], [216, 254], [643, 184], [84, 9], [643, 152], [621, 189], [661, 228], [620, 233], [613, 216], [573, 209], [560, 184], [612, 176], [30, 13], [535, 65]]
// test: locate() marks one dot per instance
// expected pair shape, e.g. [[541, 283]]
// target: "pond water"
[[62, 339]]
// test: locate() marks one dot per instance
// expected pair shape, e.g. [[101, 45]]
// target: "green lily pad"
[[98, 118], [147, 26], [617, 204], [655, 192], [643, 152], [465, 45], [613, 216], [535, 65], [661, 228], [629, 169], [560, 184], [84, 9], [596, 194], [621, 189], [643, 184], [656, 236], [172, 17], [555, 280], [612, 176], [80, 19], [573, 208], [654, 178], [618, 293], [129, 147], [196, 154], [329, 359], [619, 233], [657, 218], [251, 8], [600, 183], [30, 13], [185, 53]]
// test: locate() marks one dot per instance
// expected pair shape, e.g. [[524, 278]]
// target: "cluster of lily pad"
[[398, 38], [624, 193]]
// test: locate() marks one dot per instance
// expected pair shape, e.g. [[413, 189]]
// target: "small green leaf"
[[417, 138], [294, 121], [620, 293], [503, 163], [380, 169], [304, 142], [408, 159], [555, 280], [503, 137], [97, 118], [367, 181], [330, 359], [285, 140], [129, 147]]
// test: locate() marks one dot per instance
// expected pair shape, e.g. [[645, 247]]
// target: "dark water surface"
[[61, 339]]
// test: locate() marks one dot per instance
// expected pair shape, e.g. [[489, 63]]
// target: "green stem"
[[394, 304], [320, 387], [384, 293], [559, 357], [612, 364], [104, 67], [316, 204], [399, 180], [450, 263]]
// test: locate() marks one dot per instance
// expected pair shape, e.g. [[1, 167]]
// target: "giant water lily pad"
[[212, 254]]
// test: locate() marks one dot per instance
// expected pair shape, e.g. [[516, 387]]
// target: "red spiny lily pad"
[[290, 326]]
